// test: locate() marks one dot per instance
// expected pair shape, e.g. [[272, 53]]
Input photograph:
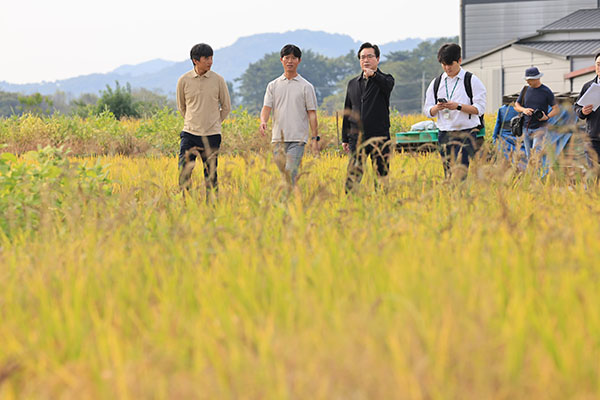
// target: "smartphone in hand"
[[442, 100]]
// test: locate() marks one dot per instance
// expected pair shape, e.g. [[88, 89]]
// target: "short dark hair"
[[201, 50], [367, 45], [449, 53], [597, 55], [290, 49]]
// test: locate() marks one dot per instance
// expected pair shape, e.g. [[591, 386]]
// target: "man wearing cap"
[[534, 103], [591, 117]]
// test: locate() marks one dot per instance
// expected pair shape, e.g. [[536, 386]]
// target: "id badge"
[[446, 114]]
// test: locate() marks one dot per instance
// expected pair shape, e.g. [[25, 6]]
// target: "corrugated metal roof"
[[565, 47], [579, 20]]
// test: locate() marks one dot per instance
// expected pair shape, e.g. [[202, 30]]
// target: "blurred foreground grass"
[[488, 289]]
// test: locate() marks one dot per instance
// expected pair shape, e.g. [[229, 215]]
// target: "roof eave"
[[566, 30], [495, 49], [580, 72], [523, 47]]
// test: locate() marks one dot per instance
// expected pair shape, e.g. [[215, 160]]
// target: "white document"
[[591, 96]]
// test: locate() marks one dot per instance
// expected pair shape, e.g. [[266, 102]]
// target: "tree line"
[[122, 101], [413, 70]]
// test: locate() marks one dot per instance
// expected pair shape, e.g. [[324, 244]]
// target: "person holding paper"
[[591, 116]]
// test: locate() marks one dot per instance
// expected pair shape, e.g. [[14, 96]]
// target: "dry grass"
[[485, 289]]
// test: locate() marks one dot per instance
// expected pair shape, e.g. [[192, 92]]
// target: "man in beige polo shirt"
[[294, 104], [203, 101]]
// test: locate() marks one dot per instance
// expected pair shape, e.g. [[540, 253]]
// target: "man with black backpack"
[[457, 98]]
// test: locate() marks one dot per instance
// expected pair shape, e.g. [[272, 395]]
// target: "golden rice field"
[[428, 289]]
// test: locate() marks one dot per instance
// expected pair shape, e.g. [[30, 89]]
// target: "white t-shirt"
[[290, 100]]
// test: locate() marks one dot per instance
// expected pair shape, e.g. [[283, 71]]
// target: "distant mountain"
[[148, 67], [406, 44], [231, 62]]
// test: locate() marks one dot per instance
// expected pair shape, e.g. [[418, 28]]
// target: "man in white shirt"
[[457, 113], [294, 104]]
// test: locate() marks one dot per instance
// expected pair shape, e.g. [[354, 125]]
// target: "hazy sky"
[[57, 39]]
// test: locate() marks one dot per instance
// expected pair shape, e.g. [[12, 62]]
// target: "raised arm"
[[384, 81]]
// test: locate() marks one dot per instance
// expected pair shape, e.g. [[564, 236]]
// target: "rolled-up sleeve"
[[479, 95], [429, 100], [310, 98], [268, 101]]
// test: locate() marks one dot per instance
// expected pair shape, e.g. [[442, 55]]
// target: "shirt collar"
[[206, 75], [460, 75], [283, 78], [361, 77]]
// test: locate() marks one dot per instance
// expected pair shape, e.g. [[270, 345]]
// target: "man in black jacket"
[[366, 126], [591, 117]]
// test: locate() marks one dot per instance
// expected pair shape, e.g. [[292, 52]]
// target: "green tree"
[[232, 94], [9, 104], [60, 102], [320, 71], [254, 80], [413, 70], [118, 101], [148, 103], [84, 105], [348, 67], [35, 104], [324, 73]]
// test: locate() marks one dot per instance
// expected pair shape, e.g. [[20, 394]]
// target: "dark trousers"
[[457, 147], [192, 146], [378, 148], [594, 151]]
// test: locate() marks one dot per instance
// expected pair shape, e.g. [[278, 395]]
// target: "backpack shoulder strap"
[[436, 87], [522, 95], [468, 87]]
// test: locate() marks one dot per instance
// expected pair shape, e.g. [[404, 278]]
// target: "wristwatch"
[[317, 138], [459, 107]]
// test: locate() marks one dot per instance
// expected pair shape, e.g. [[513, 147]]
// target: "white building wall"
[[582, 80], [492, 23], [582, 62], [511, 63]]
